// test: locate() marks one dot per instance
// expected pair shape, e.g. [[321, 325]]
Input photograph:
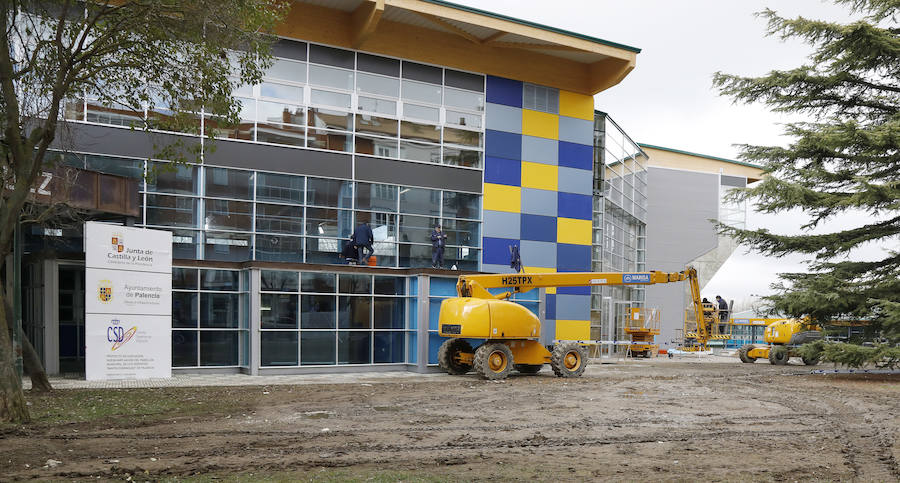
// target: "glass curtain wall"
[[332, 99], [210, 318], [619, 225], [239, 215], [319, 318]]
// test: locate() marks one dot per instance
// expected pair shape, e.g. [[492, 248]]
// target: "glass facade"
[[619, 227], [241, 215], [321, 318], [321, 98], [210, 318], [333, 99]]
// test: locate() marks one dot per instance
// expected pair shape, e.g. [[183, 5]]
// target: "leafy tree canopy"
[[845, 158]]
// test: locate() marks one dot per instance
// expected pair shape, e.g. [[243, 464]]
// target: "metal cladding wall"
[[679, 207], [537, 195]]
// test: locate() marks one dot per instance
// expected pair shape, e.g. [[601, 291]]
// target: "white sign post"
[[128, 302]]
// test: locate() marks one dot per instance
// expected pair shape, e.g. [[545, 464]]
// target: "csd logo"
[[117, 334]]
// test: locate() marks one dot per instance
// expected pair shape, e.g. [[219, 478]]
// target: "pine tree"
[[843, 160]]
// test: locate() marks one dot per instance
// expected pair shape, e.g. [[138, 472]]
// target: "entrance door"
[[70, 306]]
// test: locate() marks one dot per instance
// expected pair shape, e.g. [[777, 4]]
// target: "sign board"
[[128, 302], [127, 292], [128, 346], [125, 248]]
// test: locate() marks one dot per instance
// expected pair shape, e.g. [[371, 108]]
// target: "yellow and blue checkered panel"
[[537, 194]]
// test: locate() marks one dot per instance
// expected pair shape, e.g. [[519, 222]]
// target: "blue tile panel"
[[550, 306], [572, 307], [502, 171], [504, 91], [496, 250], [573, 205], [503, 144], [572, 180], [576, 130], [573, 258], [539, 202], [539, 228], [500, 224], [503, 118], [540, 150], [574, 155], [575, 290], [538, 254]]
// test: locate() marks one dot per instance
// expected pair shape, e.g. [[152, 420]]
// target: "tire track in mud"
[[867, 447], [464, 449], [535, 420]]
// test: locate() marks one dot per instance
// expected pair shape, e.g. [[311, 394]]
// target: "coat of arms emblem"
[[118, 243], [104, 291]]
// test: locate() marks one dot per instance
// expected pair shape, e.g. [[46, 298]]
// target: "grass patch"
[[128, 407]]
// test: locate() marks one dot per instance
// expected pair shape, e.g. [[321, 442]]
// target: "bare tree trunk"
[[30, 359], [12, 399], [33, 366]]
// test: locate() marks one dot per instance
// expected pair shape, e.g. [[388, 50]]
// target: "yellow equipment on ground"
[[511, 331], [642, 325], [701, 323], [783, 337]]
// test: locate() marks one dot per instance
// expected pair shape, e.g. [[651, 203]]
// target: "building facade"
[[403, 114], [686, 193]]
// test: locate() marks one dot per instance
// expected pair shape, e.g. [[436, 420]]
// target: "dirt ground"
[[638, 420]]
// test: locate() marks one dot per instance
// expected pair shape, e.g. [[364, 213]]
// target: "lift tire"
[[447, 356], [493, 360], [810, 362], [743, 353], [779, 355], [529, 369], [568, 360]]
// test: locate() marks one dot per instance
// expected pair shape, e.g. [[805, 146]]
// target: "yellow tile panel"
[[573, 329], [500, 197], [576, 105], [576, 232], [540, 176], [549, 290], [540, 124]]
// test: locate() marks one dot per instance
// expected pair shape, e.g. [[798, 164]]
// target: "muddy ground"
[[639, 420]]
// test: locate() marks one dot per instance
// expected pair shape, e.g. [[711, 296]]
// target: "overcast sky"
[[668, 100]]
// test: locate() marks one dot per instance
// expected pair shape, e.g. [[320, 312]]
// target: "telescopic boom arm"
[[477, 286]]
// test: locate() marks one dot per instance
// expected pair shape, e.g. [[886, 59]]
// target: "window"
[[210, 320], [334, 319]]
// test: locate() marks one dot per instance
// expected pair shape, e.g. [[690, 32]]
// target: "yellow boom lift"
[[701, 323], [511, 331], [783, 338]]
